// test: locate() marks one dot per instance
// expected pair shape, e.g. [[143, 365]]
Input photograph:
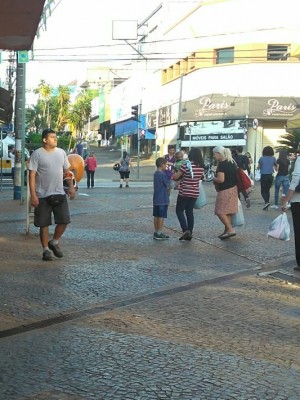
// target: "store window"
[[225, 56], [277, 52]]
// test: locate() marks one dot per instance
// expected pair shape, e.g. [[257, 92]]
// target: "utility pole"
[[20, 132], [179, 112], [139, 140]]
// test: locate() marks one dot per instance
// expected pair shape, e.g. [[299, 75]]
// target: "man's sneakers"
[[160, 236], [56, 250], [47, 256], [187, 235], [266, 206], [274, 207]]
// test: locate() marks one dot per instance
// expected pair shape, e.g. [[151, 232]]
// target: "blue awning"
[[130, 127], [126, 128], [149, 134]]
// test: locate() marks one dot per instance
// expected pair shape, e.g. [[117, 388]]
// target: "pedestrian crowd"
[[233, 171], [49, 169]]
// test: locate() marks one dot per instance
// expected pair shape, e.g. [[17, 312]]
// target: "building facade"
[[222, 65]]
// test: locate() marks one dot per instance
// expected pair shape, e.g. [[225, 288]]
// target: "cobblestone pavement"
[[123, 317]]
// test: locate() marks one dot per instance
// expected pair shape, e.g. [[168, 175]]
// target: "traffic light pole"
[[135, 116]]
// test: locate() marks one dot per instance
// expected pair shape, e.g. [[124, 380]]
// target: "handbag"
[[280, 228], [238, 219], [201, 200], [116, 167], [55, 199], [243, 180]]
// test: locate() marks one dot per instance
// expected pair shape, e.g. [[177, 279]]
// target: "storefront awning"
[[19, 21], [213, 107], [130, 127]]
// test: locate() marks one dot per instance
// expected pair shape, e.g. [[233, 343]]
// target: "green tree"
[[289, 141], [63, 100], [34, 119], [44, 91], [81, 111]]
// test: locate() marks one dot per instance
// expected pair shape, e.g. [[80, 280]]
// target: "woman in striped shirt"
[[190, 173]]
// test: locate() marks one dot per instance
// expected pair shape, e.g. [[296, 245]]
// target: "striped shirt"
[[189, 186]]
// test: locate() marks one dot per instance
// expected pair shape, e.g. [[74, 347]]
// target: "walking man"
[[47, 167]]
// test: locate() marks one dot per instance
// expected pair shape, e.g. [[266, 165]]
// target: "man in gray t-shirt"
[[47, 167]]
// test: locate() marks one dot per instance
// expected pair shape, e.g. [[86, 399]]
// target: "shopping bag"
[[243, 180], [280, 228], [238, 219], [257, 175], [201, 200]]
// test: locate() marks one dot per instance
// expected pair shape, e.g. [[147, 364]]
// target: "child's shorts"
[[160, 211]]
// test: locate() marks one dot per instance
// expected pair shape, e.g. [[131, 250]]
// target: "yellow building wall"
[[243, 54]]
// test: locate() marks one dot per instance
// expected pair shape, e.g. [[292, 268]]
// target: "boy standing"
[[160, 198]]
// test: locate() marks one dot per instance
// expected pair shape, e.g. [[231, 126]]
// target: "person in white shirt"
[[12, 157], [293, 196]]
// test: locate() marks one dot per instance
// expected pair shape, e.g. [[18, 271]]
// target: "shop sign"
[[168, 115], [277, 108], [151, 120], [218, 136], [212, 133], [215, 107]]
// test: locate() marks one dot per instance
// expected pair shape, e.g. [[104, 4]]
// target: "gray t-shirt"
[[49, 167]]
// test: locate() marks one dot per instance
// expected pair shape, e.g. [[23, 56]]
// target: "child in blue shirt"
[[161, 199]]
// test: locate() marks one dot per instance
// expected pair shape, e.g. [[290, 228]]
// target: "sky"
[[80, 30]]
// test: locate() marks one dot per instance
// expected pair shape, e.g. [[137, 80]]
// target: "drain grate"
[[282, 276]]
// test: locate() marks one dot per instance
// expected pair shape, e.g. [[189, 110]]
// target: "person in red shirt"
[[90, 168]]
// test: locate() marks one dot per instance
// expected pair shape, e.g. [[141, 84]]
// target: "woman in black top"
[[227, 194], [282, 177]]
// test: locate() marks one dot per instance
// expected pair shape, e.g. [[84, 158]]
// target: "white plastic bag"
[[201, 200], [280, 228], [238, 219], [257, 175]]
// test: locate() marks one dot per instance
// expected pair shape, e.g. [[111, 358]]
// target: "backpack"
[[124, 164]]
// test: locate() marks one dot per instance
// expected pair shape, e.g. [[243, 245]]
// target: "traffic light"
[[135, 113]]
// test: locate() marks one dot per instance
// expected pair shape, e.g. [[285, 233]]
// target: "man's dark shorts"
[[160, 211], [42, 213], [124, 174]]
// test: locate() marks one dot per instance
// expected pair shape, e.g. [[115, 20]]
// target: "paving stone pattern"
[[151, 320]]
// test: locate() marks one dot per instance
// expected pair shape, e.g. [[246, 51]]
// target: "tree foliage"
[[65, 141], [54, 109], [81, 111], [289, 141]]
